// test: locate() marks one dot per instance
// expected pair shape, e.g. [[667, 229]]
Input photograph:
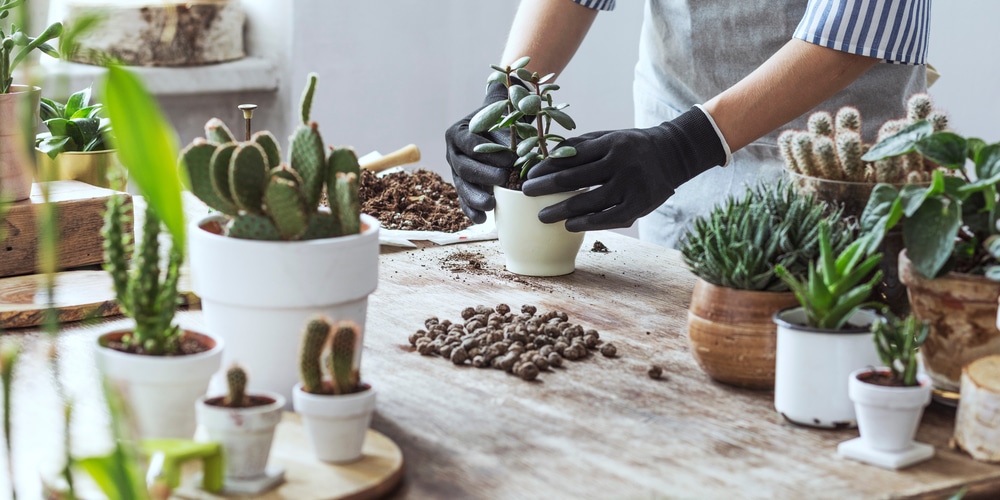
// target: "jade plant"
[[145, 292], [265, 199], [15, 45], [897, 342], [740, 242], [345, 379], [834, 288], [73, 126], [527, 113]]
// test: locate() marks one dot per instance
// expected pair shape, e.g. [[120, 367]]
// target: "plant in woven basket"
[[897, 341], [741, 241], [345, 379], [265, 199]]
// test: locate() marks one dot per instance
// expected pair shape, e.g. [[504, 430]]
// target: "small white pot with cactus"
[[338, 411], [272, 257]]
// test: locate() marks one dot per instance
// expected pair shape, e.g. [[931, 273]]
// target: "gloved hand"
[[636, 171], [475, 174]]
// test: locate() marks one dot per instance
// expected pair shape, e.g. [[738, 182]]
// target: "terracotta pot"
[[732, 334], [97, 168], [531, 248], [962, 311], [18, 119]]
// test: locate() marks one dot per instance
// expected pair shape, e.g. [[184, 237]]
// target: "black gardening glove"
[[475, 174], [636, 171]]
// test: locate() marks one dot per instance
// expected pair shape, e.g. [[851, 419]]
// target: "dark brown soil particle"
[[655, 372], [880, 378], [417, 201], [599, 247]]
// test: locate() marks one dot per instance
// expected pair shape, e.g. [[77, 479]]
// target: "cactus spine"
[[266, 199], [310, 364], [342, 347], [236, 379]]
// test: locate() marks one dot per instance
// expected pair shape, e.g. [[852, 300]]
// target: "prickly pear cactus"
[[342, 349], [236, 379], [310, 357]]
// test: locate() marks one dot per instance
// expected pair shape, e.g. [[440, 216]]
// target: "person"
[[715, 82]]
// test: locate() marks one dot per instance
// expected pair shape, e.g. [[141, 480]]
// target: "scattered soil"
[[254, 401], [190, 344], [417, 201], [655, 371], [884, 379], [599, 247], [475, 263]]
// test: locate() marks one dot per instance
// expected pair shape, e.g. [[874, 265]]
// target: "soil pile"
[[417, 201]]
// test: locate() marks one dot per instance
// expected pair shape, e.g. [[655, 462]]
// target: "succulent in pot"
[[827, 337], [890, 400], [265, 262], [733, 251], [530, 247], [337, 411]]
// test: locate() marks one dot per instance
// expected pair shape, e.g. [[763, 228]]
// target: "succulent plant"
[[310, 357], [145, 292], [738, 244], [897, 342], [339, 361], [236, 379], [342, 351], [266, 199], [73, 126]]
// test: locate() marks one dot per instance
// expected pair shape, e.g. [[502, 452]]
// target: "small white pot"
[[888, 416], [336, 425], [530, 247], [812, 366], [160, 391], [259, 295], [245, 433]]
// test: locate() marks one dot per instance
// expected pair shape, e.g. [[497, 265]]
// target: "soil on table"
[[599, 247], [254, 402], [475, 263], [417, 201], [189, 345], [884, 379]]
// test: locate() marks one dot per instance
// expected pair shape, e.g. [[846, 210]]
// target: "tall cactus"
[[265, 199], [342, 348], [310, 364], [236, 379]]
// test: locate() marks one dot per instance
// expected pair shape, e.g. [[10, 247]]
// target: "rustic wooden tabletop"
[[596, 428]]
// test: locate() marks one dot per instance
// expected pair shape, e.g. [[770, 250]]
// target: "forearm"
[[794, 80], [549, 31]]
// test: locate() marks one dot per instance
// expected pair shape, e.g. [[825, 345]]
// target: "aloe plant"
[[897, 342], [73, 126]]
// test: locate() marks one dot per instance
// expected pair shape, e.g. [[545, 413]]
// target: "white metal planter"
[[246, 434], [336, 425], [259, 295], [812, 366], [530, 247]]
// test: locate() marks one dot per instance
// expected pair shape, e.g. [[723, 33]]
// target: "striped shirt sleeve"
[[893, 30], [597, 4]]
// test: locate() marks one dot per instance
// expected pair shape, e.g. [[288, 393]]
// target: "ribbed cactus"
[[266, 199], [342, 351], [236, 379], [310, 357], [146, 293]]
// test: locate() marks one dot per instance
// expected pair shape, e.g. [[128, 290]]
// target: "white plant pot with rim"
[[336, 425], [246, 433], [888, 417], [812, 366], [530, 247], [160, 391], [259, 295]]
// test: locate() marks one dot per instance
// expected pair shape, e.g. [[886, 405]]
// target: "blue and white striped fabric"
[[893, 30], [597, 4]]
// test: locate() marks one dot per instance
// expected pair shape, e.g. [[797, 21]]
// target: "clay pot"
[[18, 110], [530, 247], [732, 334], [962, 311]]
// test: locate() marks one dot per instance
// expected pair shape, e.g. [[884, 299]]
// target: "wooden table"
[[598, 428]]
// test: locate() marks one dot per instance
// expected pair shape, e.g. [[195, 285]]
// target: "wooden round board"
[[307, 478]]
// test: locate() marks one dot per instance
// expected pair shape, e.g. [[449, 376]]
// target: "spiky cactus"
[[310, 357], [342, 349], [145, 292], [266, 199], [236, 379]]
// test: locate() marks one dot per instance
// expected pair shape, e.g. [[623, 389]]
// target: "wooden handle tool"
[[403, 156]]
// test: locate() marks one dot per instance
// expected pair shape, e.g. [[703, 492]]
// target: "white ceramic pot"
[[245, 433], [336, 425], [888, 416], [812, 366], [160, 391], [530, 247], [259, 295]]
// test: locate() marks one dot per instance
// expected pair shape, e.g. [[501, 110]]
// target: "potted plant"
[[827, 337], [271, 258], [889, 400], [733, 252], [947, 228], [337, 411], [77, 145], [530, 247], [244, 424], [18, 103]]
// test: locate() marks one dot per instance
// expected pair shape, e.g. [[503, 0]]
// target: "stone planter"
[[530, 247]]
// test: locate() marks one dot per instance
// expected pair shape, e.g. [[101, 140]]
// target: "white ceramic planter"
[[336, 425], [259, 295], [160, 391], [245, 433], [812, 366], [888, 416], [530, 247]]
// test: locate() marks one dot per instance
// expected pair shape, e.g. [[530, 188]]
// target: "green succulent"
[[741, 241], [73, 126], [897, 342]]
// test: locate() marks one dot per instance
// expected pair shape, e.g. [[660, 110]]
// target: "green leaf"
[[57, 126], [563, 152], [546, 78], [78, 101], [945, 148], [554, 138], [511, 119], [497, 77], [498, 68], [912, 197], [89, 128], [87, 112], [530, 105], [561, 118], [52, 146], [526, 146], [520, 63], [490, 148], [975, 146], [901, 142], [548, 87], [516, 92], [988, 163], [525, 130], [51, 109], [523, 74], [929, 235], [487, 117], [147, 147]]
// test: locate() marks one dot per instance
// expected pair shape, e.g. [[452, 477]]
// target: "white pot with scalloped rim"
[[259, 295], [336, 424], [530, 247]]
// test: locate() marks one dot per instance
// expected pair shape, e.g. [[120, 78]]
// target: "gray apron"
[[691, 50]]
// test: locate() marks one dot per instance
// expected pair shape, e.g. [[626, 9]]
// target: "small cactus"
[[785, 148], [848, 118], [849, 154], [342, 349], [820, 123], [236, 379], [310, 357], [918, 107]]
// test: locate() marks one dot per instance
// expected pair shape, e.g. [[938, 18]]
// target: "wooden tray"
[[307, 478]]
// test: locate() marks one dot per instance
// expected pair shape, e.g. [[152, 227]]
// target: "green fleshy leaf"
[[487, 117], [516, 92], [561, 118], [563, 152], [530, 105], [521, 62], [929, 235], [490, 148], [901, 142], [945, 148]]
